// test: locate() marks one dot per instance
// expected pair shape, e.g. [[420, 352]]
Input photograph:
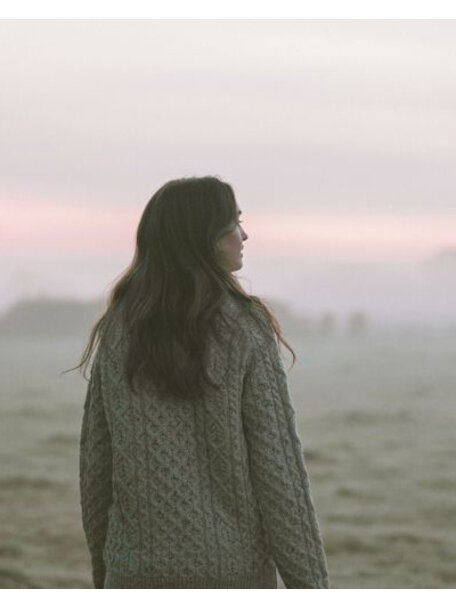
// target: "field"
[[376, 415]]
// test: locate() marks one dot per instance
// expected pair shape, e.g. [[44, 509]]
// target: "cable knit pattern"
[[205, 493]]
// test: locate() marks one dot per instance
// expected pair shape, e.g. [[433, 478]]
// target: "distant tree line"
[[65, 317]]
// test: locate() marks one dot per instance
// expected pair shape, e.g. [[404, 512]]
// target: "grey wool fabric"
[[202, 493]]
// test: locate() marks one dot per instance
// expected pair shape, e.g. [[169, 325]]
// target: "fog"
[[334, 135]]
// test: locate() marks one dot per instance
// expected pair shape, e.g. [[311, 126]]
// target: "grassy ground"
[[377, 421]]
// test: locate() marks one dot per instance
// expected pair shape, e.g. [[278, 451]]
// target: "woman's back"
[[202, 493]]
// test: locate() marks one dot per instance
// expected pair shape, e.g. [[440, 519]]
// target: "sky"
[[336, 135]]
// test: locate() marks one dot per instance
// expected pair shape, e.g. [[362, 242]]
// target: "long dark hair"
[[170, 294]]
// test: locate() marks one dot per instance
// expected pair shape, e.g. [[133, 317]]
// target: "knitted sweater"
[[203, 493]]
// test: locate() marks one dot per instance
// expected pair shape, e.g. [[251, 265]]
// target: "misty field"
[[376, 415]]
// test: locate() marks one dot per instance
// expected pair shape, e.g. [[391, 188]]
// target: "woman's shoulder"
[[112, 336], [250, 318], [245, 318]]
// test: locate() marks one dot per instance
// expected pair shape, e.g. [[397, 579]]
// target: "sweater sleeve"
[[95, 474], [278, 473]]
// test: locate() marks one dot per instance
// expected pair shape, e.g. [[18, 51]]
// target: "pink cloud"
[[43, 227], [386, 236], [67, 228]]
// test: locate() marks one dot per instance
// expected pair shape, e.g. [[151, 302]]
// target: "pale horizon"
[[334, 135]]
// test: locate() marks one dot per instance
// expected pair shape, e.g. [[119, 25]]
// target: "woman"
[[191, 469]]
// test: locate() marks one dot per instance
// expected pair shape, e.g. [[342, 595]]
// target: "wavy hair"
[[170, 294]]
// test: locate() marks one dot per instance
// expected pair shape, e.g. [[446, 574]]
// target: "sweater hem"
[[121, 580]]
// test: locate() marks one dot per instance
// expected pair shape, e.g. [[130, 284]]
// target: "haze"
[[336, 136]]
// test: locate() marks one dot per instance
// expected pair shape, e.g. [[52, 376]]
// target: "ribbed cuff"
[[320, 583], [98, 577]]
